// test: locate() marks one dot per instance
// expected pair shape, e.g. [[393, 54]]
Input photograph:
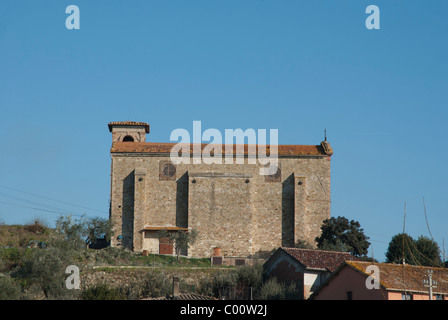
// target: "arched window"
[[128, 139]]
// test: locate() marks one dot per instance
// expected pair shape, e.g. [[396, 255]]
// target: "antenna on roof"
[[325, 134]]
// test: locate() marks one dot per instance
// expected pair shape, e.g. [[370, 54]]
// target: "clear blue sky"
[[296, 66]]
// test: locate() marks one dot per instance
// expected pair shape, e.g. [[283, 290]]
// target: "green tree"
[[401, 247], [45, 268], [251, 276], [340, 234], [77, 233], [422, 251], [428, 252], [272, 289], [72, 232], [181, 240], [98, 228], [223, 284]]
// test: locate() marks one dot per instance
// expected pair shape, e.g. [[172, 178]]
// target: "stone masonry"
[[232, 206]]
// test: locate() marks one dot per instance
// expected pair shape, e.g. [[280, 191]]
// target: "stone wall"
[[220, 208], [232, 206], [117, 277]]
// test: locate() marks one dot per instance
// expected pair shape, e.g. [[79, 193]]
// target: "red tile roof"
[[184, 296], [319, 259], [153, 147], [400, 277], [128, 123]]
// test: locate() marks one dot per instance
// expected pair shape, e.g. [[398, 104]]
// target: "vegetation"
[[21, 235], [9, 289], [39, 272], [247, 282], [274, 290], [340, 234], [302, 244], [102, 292], [422, 251], [181, 240], [28, 272]]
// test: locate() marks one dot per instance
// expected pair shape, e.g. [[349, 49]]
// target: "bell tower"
[[128, 131]]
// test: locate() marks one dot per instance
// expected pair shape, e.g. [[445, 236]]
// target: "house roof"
[[318, 259], [283, 150], [128, 123], [399, 277], [184, 296]]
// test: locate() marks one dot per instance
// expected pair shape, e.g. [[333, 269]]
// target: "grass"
[[14, 240], [171, 261], [21, 235]]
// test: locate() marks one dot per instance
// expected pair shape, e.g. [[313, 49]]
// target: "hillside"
[[15, 242], [21, 235]]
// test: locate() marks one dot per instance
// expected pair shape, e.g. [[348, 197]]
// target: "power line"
[[429, 230], [52, 199], [426, 219], [378, 235], [39, 209], [377, 241], [433, 262], [30, 201]]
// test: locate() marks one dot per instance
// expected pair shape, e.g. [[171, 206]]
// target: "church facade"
[[231, 206]]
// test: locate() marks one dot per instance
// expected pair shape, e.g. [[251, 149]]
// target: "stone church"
[[232, 206]]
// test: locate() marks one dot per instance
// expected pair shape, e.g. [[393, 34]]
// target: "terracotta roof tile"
[[154, 147], [405, 277], [184, 296], [319, 259]]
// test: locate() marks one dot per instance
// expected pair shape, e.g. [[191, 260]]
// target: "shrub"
[[10, 258], [271, 290], [9, 289], [45, 268], [251, 276], [102, 292], [274, 290], [36, 227], [155, 284], [220, 285]]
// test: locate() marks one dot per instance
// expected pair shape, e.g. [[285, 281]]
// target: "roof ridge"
[[166, 147], [319, 250], [398, 264], [224, 144]]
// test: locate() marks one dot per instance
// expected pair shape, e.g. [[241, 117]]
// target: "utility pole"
[[430, 283]]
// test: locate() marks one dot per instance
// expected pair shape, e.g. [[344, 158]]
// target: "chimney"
[[176, 287], [128, 131]]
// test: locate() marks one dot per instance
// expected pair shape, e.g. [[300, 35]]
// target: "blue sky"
[[296, 66]]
